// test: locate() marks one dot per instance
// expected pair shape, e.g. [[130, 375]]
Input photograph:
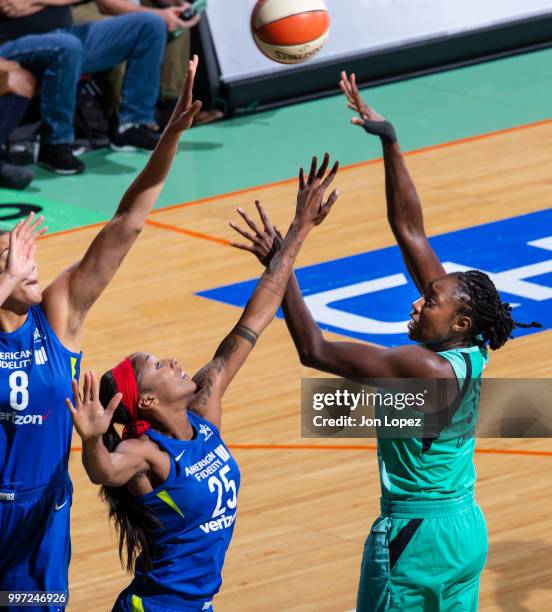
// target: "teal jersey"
[[439, 466]]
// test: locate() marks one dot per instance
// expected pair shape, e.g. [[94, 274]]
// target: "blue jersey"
[[196, 507], [35, 425]]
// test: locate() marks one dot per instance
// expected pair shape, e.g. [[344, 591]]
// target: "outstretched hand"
[[311, 208], [367, 118], [349, 87], [186, 108], [264, 243], [90, 418], [20, 263]]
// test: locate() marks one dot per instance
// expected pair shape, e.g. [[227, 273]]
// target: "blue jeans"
[[58, 58], [12, 110]]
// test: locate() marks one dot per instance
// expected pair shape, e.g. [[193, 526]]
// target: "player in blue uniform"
[[171, 484], [427, 550], [40, 342]]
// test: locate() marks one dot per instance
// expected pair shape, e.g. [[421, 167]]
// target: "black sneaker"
[[14, 177], [135, 137], [59, 158]]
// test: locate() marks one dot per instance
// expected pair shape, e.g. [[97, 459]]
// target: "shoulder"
[[415, 361], [56, 306], [201, 422], [143, 446]]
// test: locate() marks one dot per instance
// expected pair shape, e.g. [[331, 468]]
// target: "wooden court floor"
[[305, 510]]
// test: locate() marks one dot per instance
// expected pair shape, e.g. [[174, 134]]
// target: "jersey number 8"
[[19, 395]]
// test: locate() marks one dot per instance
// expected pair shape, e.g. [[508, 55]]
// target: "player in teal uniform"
[[41, 334], [171, 484], [428, 548]]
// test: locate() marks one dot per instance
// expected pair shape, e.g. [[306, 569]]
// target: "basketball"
[[290, 31]]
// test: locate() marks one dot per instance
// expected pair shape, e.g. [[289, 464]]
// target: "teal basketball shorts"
[[424, 556]]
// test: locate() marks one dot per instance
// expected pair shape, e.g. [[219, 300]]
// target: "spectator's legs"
[[112, 85], [56, 60], [20, 86], [175, 65], [12, 110], [175, 60], [137, 38]]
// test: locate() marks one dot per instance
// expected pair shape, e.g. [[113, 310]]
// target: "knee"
[[22, 83], [69, 49], [152, 25]]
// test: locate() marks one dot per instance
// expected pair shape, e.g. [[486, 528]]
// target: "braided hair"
[[491, 318]]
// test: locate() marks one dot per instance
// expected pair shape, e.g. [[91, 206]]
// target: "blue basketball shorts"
[[34, 539], [129, 601]]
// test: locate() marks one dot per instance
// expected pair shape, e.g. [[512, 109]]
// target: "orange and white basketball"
[[290, 31]]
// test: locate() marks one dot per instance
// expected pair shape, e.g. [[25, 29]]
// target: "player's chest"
[[206, 487], [31, 374]]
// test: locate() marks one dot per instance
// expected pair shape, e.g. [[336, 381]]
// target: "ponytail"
[[135, 523]]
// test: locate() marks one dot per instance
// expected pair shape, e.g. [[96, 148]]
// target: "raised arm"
[[311, 210], [351, 360], [17, 259], [70, 296], [404, 210], [131, 457]]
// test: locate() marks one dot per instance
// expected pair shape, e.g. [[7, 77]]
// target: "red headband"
[[125, 381]]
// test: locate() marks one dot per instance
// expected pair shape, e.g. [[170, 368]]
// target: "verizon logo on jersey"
[[216, 524], [22, 419]]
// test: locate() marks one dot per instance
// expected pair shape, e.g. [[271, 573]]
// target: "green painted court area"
[[270, 146]]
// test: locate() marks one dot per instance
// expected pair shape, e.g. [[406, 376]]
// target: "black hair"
[[135, 523], [491, 317]]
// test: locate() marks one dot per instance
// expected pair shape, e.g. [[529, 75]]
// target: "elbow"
[[308, 360], [397, 224], [127, 226], [114, 484], [310, 356], [97, 480], [107, 482], [404, 231]]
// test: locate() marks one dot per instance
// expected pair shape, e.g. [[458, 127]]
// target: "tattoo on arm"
[[273, 286], [275, 280], [205, 380], [275, 277], [226, 348], [246, 333]]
